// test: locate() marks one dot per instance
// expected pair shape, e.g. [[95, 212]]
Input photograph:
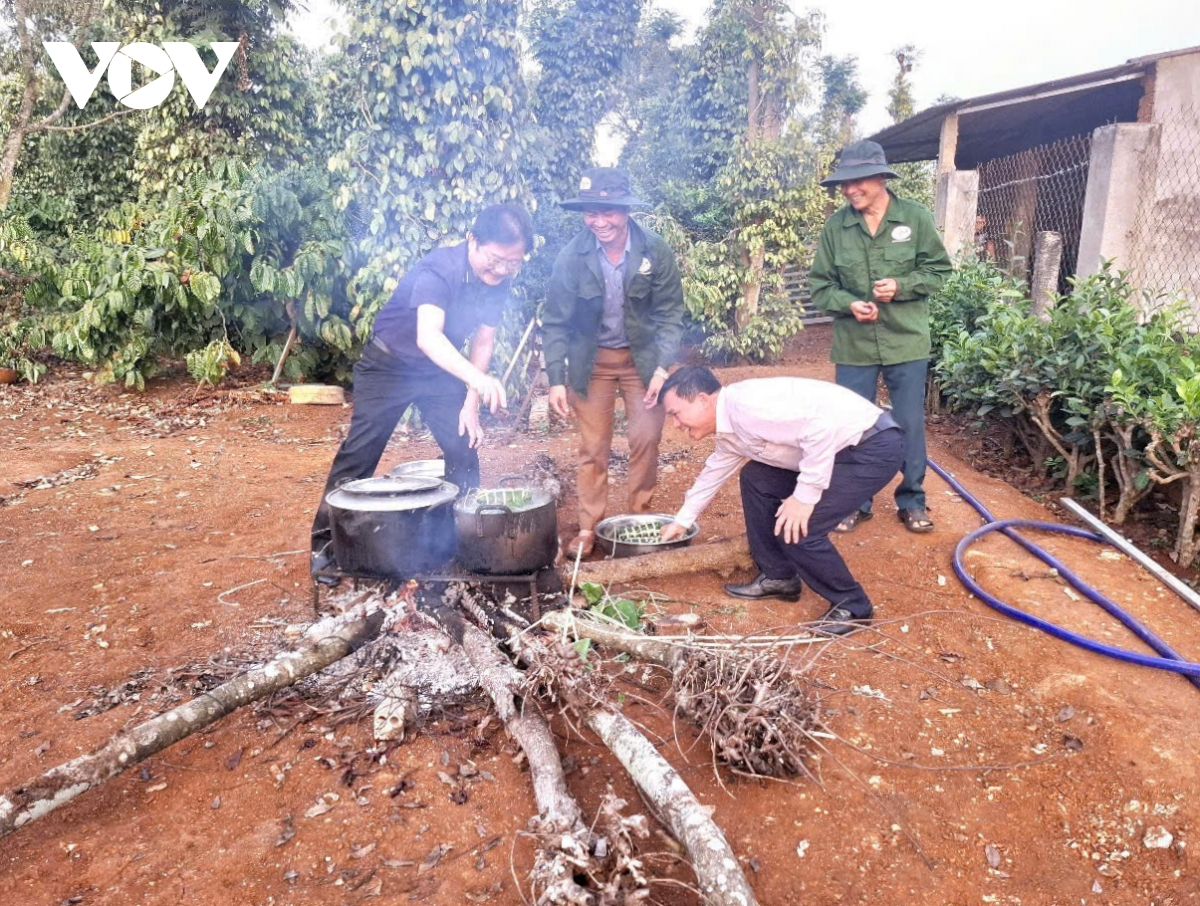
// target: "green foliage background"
[[294, 201]]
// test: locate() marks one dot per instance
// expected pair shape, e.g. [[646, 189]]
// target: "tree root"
[[750, 704], [752, 708]]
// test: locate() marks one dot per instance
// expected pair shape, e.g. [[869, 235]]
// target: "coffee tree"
[[741, 178], [582, 51]]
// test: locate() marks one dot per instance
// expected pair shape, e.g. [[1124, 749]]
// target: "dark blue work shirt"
[[442, 278]]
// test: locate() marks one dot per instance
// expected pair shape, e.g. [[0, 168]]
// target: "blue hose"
[[1169, 659]]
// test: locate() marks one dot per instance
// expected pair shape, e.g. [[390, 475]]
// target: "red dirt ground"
[[1037, 788]]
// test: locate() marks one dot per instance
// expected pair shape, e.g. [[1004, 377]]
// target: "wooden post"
[[1047, 263], [955, 207], [717, 556]]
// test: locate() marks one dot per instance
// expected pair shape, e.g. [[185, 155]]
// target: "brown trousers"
[[614, 372]]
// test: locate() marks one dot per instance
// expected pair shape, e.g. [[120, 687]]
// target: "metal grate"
[[1042, 188], [1165, 253]]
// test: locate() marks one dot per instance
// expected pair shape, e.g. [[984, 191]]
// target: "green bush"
[[1094, 389], [964, 298]]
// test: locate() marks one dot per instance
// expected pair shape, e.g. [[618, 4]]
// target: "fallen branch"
[[664, 650], [717, 871], [557, 669], [60, 785], [229, 591], [716, 556], [565, 843], [501, 681]]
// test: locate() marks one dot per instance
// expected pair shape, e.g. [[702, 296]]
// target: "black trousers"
[[858, 473], [383, 389]]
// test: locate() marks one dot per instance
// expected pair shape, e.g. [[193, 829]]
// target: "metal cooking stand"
[[530, 579]]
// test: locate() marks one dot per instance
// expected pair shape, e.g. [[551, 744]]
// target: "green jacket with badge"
[[654, 308], [849, 260]]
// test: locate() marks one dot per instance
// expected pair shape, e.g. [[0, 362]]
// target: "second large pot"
[[496, 537]]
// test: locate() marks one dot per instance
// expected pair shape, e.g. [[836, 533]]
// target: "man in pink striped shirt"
[[809, 452]]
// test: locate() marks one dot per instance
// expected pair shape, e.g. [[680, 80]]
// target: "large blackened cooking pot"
[[507, 531], [392, 527]]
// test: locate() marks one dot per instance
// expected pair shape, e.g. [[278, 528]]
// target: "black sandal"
[[851, 522], [916, 520]]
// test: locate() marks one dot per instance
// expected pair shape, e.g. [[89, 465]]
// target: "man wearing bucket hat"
[[878, 261], [612, 324]]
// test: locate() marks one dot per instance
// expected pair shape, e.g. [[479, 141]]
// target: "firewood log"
[[722, 557]]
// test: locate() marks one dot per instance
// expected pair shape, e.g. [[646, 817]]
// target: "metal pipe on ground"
[[1125, 546]]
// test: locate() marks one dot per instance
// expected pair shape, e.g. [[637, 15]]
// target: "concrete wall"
[[1176, 85], [1121, 156], [1166, 244], [954, 209]]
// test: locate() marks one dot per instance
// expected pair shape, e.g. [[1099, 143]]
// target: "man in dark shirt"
[[413, 358]]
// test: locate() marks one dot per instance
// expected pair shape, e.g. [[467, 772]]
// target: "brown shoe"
[[582, 544]]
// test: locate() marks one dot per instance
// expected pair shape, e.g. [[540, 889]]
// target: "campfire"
[[397, 651]]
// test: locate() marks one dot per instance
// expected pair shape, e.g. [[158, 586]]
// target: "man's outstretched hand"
[[650, 400], [673, 531], [490, 392], [791, 520], [468, 424]]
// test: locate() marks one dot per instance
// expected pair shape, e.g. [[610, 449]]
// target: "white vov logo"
[[172, 57]]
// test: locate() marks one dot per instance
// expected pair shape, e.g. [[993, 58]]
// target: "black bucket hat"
[[603, 187], [858, 161]]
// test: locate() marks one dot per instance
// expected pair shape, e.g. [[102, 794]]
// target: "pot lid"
[[391, 485], [430, 468], [387, 495]]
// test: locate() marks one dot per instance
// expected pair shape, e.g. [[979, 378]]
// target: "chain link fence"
[[1165, 247], [1042, 188]]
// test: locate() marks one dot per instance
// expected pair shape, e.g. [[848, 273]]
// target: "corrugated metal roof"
[[994, 125]]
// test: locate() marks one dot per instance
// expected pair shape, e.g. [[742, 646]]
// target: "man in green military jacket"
[[612, 324], [878, 261]]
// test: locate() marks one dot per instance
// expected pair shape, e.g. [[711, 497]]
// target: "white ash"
[[426, 664], [422, 665]]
